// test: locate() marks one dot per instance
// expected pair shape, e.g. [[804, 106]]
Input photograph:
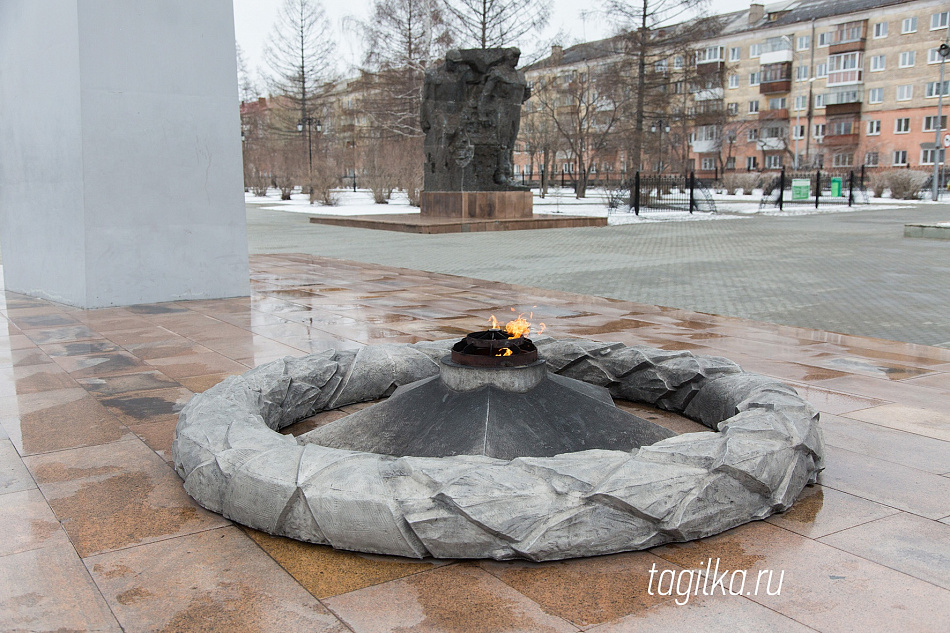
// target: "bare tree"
[[496, 23], [299, 55], [647, 42], [539, 134], [586, 113]]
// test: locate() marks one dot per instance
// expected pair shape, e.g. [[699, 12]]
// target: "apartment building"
[[814, 83]]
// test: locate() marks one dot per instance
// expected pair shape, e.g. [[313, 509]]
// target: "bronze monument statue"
[[471, 110]]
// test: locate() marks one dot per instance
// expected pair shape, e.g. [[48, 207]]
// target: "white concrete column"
[[120, 151]]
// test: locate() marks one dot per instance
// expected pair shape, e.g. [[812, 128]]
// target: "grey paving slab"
[[844, 272]]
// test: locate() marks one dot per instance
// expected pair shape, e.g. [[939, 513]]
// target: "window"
[[849, 32], [777, 103], [819, 101], [752, 134], [841, 128], [909, 25], [754, 79], [773, 132], [844, 68], [939, 20], [774, 72], [905, 92], [843, 160], [708, 164], [902, 125], [907, 59], [880, 30], [803, 42], [755, 50], [660, 66], [773, 161], [819, 130], [798, 131], [709, 54], [931, 121], [874, 127], [875, 95], [734, 54], [733, 81], [802, 72], [731, 162], [753, 107], [824, 39], [678, 61], [821, 70], [927, 156], [732, 108], [706, 133], [801, 102], [900, 157], [932, 89], [751, 163], [877, 63], [871, 159], [933, 56]]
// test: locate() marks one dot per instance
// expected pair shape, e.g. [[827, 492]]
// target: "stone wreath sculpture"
[[767, 448]]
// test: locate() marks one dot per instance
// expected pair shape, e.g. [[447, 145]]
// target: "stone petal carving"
[[766, 447]]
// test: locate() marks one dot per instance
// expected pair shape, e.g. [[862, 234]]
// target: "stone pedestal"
[[120, 167], [476, 204]]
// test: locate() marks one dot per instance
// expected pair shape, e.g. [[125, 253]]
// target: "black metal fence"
[[666, 193], [818, 187]]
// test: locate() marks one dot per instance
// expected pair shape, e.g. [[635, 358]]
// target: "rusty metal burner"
[[493, 348]]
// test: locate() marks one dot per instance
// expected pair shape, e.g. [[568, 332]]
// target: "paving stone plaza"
[[105, 538]]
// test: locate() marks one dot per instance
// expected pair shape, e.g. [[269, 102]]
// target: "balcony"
[[772, 87], [834, 109], [776, 57], [846, 47], [770, 144], [774, 115], [841, 140], [707, 147], [708, 94]]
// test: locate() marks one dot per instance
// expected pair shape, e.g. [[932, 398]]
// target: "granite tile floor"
[[100, 536]]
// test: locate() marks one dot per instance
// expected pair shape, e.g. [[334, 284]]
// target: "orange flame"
[[505, 351], [516, 328]]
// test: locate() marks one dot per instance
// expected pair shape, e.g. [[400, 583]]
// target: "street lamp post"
[[944, 51], [310, 123], [659, 125]]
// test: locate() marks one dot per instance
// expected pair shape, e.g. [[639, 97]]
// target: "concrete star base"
[[767, 448]]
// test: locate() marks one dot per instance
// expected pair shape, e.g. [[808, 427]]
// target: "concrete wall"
[[120, 170]]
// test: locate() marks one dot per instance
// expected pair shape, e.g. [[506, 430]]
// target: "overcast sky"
[[254, 20]]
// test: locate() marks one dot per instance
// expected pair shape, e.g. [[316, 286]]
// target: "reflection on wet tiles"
[[916, 546], [869, 368], [926, 422], [36, 378], [156, 308], [48, 589], [27, 523], [836, 402], [106, 364], [820, 511], [117, 495], [197, 365], [455, 598], [585, 591], [114, 385], [62, 334], [76, 419], [177, 346], [891, 445], [152, 405], [325, 572], [175, 585], [43, 321], [81, 348], [14, 476], [199, 384], [158, 436], [891, 484], [29, 356]]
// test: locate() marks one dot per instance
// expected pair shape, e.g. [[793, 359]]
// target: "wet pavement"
[[853, 273], [100, 536]]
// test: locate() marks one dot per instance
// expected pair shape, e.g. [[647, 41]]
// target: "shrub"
[[747, 181], [878, 183], [905, 184]]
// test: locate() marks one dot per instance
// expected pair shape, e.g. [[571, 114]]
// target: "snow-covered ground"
[[563, 202]]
